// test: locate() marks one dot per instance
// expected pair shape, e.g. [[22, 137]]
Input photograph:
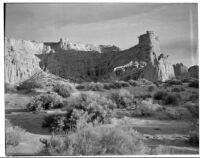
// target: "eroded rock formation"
[[194, 71], [86, 62], [20, 59], [180, 70]]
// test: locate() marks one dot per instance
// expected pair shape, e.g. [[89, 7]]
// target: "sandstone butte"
[[87, 62]]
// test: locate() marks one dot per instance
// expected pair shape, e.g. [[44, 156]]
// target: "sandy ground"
[[172, 134]]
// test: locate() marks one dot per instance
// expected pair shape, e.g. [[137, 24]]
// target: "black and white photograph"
[[101, 79]]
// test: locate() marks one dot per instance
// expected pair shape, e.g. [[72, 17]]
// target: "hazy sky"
[[118, 24]]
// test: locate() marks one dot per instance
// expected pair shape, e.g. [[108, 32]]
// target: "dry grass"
[[123, 99], [14, 134], [63, 88], [101, 140], [94, 108]]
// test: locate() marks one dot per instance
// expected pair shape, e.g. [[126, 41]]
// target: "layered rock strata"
[[87, 62]]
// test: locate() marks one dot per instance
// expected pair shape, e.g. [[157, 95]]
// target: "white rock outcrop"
[[82, 62]]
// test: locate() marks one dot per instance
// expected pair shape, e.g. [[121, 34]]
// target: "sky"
[[117, 24]]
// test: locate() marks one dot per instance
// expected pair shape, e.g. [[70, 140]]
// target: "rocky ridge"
[[86, 62]]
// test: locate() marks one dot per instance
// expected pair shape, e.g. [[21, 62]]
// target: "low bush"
[[45, 101], [107, 86], [168, 99], [133, 83], [9, 88], [160, 95], [92, 108], [193, 108], [194, 134], [194, 137], [194, 84], [145, 108], [54, 122], [172, 99], [90, 86], [116, 85], [174, 82], [124, 84], [173, 114], [194, 98], [63, 89], [176, 89], [14, 134], [123, 99], [102, 140], [28, 85], [144, 96], [151, 88]]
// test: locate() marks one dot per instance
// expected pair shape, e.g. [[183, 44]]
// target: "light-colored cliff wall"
[[20, 59], [85, 62]]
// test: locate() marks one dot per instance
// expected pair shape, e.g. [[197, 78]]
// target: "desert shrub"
[[160, 95], [145, 108], [157, 83], [174, 82], [29, 85], [151, 88], [54, 122], [194, 98], [94, 108], [107, 86], [144, 96], [194, 137], [14, 134], [193, 108], [194, 84], [143, 81], [168, 99], [45, 101], [123, 98], [102, 140], [117, 85], [90, 86], [133, 83], [124, 84], [113, 85], [176, 89], [186, 80], [80, 87], [172, 99], [173, 114], [9, 88], [194, 133], [63, 89]]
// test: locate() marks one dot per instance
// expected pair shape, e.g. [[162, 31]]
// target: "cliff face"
[[20, 59], [148, 50], [180, 70], [194, 71], [86, 62]]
